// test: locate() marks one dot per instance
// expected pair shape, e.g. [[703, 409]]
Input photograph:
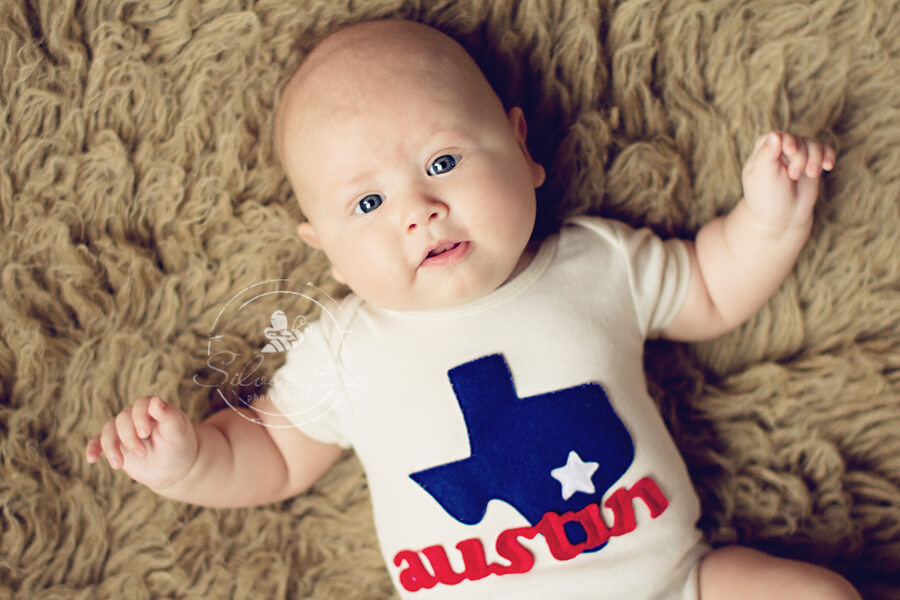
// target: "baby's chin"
[[432, 301], [422, 304]]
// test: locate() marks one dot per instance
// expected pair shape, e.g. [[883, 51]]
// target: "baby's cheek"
[[375, 274]]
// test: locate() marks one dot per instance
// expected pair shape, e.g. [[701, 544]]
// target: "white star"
[[575, 476]]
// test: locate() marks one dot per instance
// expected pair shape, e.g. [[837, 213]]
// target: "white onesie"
[[510, 445]]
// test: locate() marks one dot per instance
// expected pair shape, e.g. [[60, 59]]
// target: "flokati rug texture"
[[145, 225]]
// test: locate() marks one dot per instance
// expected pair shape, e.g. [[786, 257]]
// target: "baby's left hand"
[[781, 179]]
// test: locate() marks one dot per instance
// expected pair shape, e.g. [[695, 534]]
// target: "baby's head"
[[415, 181]]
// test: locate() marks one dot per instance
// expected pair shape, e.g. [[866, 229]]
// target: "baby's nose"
[[424, 210]]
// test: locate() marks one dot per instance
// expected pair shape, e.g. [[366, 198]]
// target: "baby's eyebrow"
[[347, 186], [454, 134], [346, 174]]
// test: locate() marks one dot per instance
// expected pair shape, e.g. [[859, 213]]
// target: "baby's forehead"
[[347, 65], [349, 69], [350, 95]]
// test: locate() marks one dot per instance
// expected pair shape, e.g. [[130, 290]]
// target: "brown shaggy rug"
[[146, 225]]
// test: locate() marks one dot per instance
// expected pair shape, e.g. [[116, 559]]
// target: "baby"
[[501, 411]]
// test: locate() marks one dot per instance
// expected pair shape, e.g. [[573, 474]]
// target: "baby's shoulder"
[[334, 319], [617, 235], [611, 230], [598, 237]]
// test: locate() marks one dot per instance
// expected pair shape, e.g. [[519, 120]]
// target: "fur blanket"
[[146, 225]]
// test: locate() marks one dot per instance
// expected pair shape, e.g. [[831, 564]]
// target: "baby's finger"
[[109, 442], [763, 140], [169, 419], [796, 153], [766, 151], [93, 450], [140, 415], [816, 155], [788, 141], [830, 158], [128, 437]]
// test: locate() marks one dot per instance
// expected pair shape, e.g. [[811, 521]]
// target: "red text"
[[415, 576]]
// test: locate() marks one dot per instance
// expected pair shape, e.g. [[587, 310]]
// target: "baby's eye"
[[442, 164], [367, 204]]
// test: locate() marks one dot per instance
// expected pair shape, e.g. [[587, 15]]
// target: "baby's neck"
[[527, 256]]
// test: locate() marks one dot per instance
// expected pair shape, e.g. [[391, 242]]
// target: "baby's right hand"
[[154, 442]]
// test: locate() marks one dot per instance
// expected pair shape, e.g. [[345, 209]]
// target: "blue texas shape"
[[516, 442]]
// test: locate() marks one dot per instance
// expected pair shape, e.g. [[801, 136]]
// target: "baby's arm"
[[228, 460], [738, 261]]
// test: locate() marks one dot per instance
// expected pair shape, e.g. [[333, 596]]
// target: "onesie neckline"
[[514, 287]]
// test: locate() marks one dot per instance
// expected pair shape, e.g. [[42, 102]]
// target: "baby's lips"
[[438, 247], [445, 253]]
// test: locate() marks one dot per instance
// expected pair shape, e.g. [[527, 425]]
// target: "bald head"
[[392, 140], [338, 72]]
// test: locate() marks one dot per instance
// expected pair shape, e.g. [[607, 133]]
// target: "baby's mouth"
[[443, 248], [445, 253]]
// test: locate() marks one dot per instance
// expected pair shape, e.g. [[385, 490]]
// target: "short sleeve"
[[658, 270], [309, 389]]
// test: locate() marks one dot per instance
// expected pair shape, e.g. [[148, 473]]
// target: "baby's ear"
[[308, 235], [520, 131]]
